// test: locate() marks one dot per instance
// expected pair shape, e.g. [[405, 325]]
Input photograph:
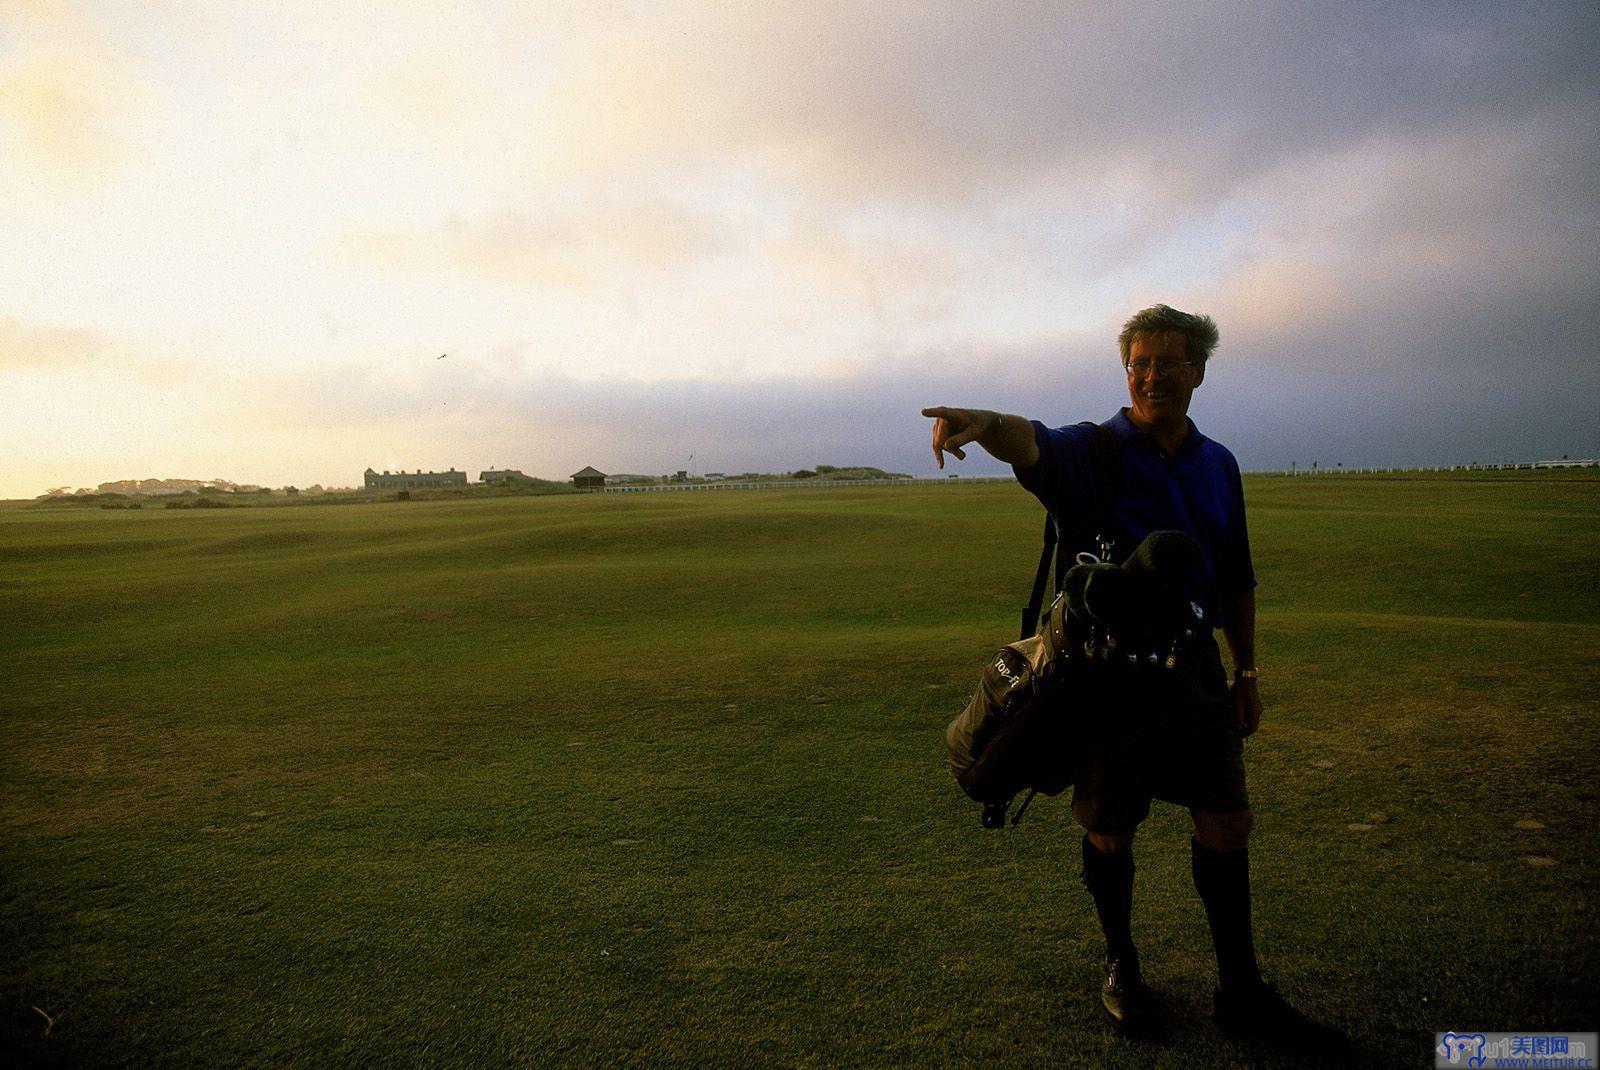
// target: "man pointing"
[[1163, 475]]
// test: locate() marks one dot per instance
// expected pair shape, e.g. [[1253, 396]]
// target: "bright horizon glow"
[[238, 239]]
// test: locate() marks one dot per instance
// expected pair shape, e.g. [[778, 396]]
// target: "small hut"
[[589, 479]]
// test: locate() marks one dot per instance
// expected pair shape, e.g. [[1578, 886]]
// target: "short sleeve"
[[1235, 572], [1063, 478]]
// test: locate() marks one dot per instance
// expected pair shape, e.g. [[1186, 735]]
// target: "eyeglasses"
[[1141, 368]]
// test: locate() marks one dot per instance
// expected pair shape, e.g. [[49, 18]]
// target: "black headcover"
[[1144, 601]]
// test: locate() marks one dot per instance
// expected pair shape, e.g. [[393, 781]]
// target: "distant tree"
[[804, 473]]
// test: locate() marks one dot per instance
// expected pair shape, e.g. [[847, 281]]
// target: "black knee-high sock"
[[1223, 880], [1109, 879]]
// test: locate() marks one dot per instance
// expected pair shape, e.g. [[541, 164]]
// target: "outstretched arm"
[[1007, 437]]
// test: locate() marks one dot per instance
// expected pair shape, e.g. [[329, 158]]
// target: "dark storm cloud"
[[1431, 172], [781, 425], [1193, 97], [1398, 410]]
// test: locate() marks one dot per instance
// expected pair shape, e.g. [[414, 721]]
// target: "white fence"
[[1523, 466], [839, 484], [810, 484]]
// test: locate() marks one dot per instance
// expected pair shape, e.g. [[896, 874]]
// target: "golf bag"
[[1012, 734], [1113, 633], [1111, 629], [1009, 737]]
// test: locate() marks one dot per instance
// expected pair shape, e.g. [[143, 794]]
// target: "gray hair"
[[1199, 332]]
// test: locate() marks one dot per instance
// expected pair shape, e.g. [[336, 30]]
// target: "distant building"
[[589, 479], [502, 475], [387, 480], [716, 475]]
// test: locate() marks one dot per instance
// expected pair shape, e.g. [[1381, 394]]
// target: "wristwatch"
[[1247, 674]]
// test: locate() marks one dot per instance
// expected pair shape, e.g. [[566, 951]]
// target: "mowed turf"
[[659, 780]]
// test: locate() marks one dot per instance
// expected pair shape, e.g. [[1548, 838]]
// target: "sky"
[[281, 242]]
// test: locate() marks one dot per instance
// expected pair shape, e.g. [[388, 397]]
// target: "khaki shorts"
[[1164, 737]]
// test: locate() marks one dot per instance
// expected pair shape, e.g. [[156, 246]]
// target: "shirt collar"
[[1124, 430]]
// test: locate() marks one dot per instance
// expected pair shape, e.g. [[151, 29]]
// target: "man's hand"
[[954, 428], [1247, 706], [1007, 438]]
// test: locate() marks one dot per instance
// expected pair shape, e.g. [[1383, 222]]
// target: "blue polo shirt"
[[1197, 492]]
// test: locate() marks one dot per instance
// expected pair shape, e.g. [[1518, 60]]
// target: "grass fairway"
[[659, 780]]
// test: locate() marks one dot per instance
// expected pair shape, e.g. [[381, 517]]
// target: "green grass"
[[658, 780]]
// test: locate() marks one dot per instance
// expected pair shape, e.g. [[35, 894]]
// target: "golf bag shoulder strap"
[[1030, 612], [1091, 523]]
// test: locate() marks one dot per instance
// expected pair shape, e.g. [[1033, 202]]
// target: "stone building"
[[502, 475], [387, 480]]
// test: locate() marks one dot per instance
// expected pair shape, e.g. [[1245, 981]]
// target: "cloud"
[[956, 101], [82, 358], [1388, 246], [70, 99], [471, 411], [47, 346], [572, 248], [938, 170]]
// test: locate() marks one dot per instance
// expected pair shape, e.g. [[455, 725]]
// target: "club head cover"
[[1117, 599], [1170, 557], [1077, 580]]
